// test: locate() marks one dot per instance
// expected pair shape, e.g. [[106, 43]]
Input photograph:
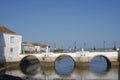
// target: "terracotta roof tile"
[[39, 44], [6, 30]]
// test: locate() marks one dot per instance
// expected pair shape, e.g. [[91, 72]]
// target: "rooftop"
[[36, 44], [3, 29]]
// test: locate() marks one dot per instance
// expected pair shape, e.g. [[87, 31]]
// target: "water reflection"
[[30, 67], [64, 65], [73, 73], [99, 65]]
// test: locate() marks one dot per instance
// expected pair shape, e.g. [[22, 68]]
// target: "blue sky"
[[62, 22]]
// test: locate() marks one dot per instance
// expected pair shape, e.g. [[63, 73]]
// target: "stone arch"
[[29, 57], [107, 60], [28, 64], [64, 55], [63, 68]]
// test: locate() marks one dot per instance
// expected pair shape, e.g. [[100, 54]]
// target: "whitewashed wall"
[[37, 48], [28, 48], [16, 45]]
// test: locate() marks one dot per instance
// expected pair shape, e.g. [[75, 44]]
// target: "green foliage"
[[58, 51]]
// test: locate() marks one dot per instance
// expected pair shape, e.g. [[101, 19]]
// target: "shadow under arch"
[[64, 65], [30, 65], [100, 60]]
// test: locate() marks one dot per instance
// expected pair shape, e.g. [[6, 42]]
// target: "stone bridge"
[[85, 56]]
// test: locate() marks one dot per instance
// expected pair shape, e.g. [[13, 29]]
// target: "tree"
[[58, 51]]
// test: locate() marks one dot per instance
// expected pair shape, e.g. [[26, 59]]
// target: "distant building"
[[10, 44], [28, 47]]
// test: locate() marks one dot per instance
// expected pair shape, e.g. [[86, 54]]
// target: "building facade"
[[28, 47], [10, 44]]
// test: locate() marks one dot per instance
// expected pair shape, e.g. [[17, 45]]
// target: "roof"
[[36, 44], [3, 29], [39, 44], [44, 45], [26, 44]]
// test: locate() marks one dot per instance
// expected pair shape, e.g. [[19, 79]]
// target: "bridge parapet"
[[112, 56], [83, 56]]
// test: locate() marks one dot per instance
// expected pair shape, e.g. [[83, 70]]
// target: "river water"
[[64, 69]]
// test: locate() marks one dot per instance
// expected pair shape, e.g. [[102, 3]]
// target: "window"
[[11, 49], [12, 39]]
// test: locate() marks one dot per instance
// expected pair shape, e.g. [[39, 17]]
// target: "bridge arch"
[[64, 55], [64, 61], [30, 65], [106, 58], [29, 57]]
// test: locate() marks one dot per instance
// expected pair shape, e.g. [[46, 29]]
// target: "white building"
[[10, 44], [28, 47]]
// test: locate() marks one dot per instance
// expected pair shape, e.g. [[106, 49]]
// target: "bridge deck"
[[82, 56]]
